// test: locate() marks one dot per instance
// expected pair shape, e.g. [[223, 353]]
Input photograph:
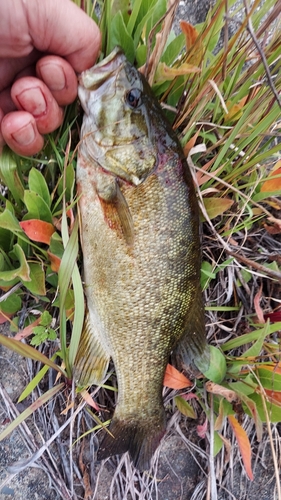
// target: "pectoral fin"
[[91, 362], [115, 208], [193, 348], [125, 217]]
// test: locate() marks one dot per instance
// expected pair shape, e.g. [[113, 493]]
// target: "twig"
[[9, 292], [212, 476], [270, 272], [261, 53]]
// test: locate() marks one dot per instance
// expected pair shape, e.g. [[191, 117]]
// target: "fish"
[[139, 230]]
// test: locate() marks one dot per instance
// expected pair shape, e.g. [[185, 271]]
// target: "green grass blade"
[[28, 352]]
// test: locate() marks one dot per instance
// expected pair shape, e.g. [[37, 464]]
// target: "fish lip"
[[93, 77]]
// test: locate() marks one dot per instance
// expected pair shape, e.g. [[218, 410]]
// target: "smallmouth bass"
[[139, 226]]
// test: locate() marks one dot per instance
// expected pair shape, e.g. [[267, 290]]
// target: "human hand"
[[42, 44]]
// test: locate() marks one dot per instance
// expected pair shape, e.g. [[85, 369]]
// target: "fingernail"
[[33, 101], [25, 135], [53, 75]]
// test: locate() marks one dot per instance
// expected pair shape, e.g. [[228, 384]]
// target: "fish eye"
[[133, 98]]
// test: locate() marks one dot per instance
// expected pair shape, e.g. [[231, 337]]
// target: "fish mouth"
[[92, 78]]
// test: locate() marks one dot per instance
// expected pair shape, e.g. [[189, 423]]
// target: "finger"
[[59, 77], [6, 102], [64, 29], [32, 95], [20, 132], [12, 68], [2, 142]]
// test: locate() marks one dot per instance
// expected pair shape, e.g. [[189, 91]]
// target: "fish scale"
[[141, 253]]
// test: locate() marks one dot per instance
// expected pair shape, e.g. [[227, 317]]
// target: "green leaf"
[[274, 411], [22, 271], [145, 13], [250, 337], [217, 368], [64, 275], [36, 284], [37, 183], [184, 407], [8, 221], [269, 378], [173, 49], [246, 386], [6, 240], [69, 183], [141, 55], [37, 207], [11, 304], [10, 175], [256, 348], [41, 334], [79, 312], [216, 206], [33, 383], [218, 443], [46, 319], [119, 36], [207, 274]]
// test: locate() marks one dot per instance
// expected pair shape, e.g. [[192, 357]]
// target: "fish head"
[[121, 129]]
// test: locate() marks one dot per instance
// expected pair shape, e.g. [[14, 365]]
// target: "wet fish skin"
[[141, 253]]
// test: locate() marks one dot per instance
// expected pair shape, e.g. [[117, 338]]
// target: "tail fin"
[[140, 439]]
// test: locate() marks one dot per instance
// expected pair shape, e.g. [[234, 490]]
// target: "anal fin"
[[193, 348], [91, 362]]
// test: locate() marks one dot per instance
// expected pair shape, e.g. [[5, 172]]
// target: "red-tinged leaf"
[[274, 227], [189, 396], [273, 367], [174, 379], [273, 396], [234, 110], [191, 143], [271, 185], [4, 317], [243, 443], [71, 217], [55, 261], [258, 308], [202, 429], [38, 230], [273, 317], [89, 400], [191, 35], [22, 334]]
